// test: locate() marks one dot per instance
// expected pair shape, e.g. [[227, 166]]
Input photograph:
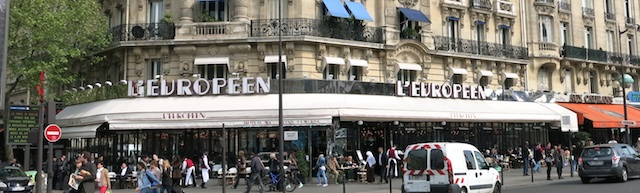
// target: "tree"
[[52, 36]]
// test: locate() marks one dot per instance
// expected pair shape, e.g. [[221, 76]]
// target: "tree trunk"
[[8, 149]]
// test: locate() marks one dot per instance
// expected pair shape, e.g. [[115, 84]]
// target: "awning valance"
[[408, 66], [486, 73], [603, 115], [211, 60], [357, 62], [459, 71], [333, 60], [84, 131], [414, 15], [511, 75], [336, 8]]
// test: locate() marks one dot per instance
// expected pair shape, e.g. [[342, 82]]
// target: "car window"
[[625, 151], [437, 159], [12, 173], [597, 152], [471, 162], [482, 163], [417, 159]]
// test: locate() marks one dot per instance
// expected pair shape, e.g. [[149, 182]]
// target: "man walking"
[[558, 155], [525, 157], [256, 173], [87, 175], [382, 165], [205, 169], [188, 167]]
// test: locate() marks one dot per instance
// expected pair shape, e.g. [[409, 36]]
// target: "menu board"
[[22, 120]]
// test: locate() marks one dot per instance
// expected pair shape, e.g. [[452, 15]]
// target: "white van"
[[448, 167]]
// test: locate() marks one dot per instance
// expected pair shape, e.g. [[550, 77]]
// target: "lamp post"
[[623, 82], [280, 89]]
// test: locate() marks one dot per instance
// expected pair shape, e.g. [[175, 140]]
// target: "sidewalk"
[[512, 178]]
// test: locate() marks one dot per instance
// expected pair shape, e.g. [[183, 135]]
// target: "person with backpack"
[[145, 179], [256, 172]]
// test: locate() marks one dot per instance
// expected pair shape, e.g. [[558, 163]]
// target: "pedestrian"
[[392, 164], [62, 172], [176, 172], [145, 179], [371, 162], [188, 167], [155, 170], [525, 157], [576, 154], [537, 157], [87, 175], [382, 165], [322, 168], [293, 167], [548, 159], [558, 156], [256, 173], [102, 177], [123, 175], [167, 181], [242, 168], [204, 166]]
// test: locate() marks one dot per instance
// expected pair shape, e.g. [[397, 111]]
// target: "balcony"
[[481, 4], [598, 55], [609, 16], [564, 6], [544, 2], [588, 12], [328, 27], [630, 20], [204, 30], [545, 46], [143, 31], [444, 43], [505, 9]]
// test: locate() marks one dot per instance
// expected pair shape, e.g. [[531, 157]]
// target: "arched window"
[[568, 80], [544, 82]]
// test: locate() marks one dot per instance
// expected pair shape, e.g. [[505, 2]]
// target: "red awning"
[[603, 115]]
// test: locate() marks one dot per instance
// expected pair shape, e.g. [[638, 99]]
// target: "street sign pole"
[[51, 119], [40, 150]]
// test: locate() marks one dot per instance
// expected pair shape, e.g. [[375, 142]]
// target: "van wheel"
[[463, 190], [624, 175], [497, 188]]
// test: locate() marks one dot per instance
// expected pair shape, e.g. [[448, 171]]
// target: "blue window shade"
[[414, 15], [336, 8], [453, 18], [504, 27], [358, 10], [481, 22]]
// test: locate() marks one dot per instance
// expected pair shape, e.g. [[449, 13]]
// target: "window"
[[543, 79], [545, 29], [505, 36], [480, 27], [587, 4], [608, 7], [155, 68], [568, 80], [587, 37], [437, 159], [471, 162], [624, 150], [456, 79], [508, 83], [452, 28], [273, 6], [331, 72], [630, 45], [482, 163], [406, 75], [406, 24], [156, 11], [484, 81], [564, 34], [597, 152], [215, 10], [593, 82], [211, 71], [355, 73], [417, 159], [272, 68], [610, 41], [628, 9]]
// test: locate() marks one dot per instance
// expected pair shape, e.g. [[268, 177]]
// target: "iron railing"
[[564, 6], [599, 55], [609, 16], [444, 43], [630, 20], [481, 4], [143, 31], [545, 1], [588, 12], [329, 27]]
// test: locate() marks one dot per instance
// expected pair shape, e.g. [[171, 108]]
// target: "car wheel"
[[497, 188], [624, 176], [585, 180], [463, 190]]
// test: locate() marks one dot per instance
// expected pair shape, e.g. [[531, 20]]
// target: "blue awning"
[[453, 18], [414, 15], [481, 22], [336, 8], [358, 10], [504, 27]]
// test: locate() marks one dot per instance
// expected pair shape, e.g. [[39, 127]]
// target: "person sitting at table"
[[349, 168], [125, 172], [333, 166]]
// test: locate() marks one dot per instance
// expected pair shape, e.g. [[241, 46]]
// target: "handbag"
[[548, 159]]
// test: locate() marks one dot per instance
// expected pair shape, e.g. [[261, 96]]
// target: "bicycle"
[[277, 182]]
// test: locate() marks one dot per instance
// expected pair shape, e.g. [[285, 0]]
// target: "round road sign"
[[52, 133]]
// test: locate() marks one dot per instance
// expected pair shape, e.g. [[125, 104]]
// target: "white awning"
[[458, 71], [409, 66], [211, 60], [569, 120], [85, 131], [274, 59], [357, 62], [486, 73], [511, 75], [334, 60]]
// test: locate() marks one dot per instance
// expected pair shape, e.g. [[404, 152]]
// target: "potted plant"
[[410, 33], [167, 29], [205, 17], [303, 165]]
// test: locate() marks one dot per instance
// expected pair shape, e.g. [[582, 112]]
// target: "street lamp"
[[623, 82], [280, 90]]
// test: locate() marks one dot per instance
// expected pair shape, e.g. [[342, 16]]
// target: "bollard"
[[390, 182], [571, 164], [502, 176], [532, 172], [344, 181]]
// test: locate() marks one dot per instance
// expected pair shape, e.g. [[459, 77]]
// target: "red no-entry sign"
[[52, 133]]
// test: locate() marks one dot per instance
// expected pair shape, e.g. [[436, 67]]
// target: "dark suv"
[[613, 161]]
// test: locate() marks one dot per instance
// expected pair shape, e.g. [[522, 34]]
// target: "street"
[[573, 185]]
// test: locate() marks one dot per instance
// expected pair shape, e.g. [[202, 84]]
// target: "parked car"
[[448, 167], [32, 175], [13, 179], [612, 161]]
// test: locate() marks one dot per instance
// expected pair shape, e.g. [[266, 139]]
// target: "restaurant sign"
[[634, 97], [590, 99], [198, 87], [432, 90]]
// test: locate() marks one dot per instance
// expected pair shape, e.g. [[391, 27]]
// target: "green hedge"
[[96, 94]]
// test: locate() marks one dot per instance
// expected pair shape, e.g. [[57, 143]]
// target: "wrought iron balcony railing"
[[630, 20], [564, 6], [444, 43], [143, 31], [588, 12], [481, 4], [545, 1], [598, 55], [328, 27], [609, 16]]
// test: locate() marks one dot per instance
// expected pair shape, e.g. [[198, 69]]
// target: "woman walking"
[[102, 178], [242, 169], [167, 181], [176, 172], [322, 175], [145, 178], [371, 161], [293, 166]]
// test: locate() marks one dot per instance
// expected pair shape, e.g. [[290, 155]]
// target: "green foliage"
[[343, 28], [303, 164], [205, 17], [96, 94], [581, 136], [166, 19], [53, 36]]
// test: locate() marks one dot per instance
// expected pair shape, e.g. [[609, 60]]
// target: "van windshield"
[[417, 159], [597, 152]]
